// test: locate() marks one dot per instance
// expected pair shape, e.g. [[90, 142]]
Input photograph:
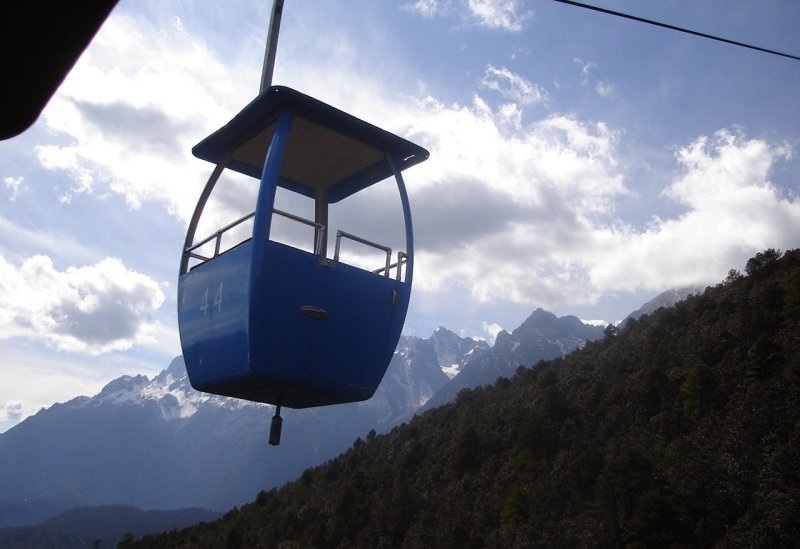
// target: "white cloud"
[[92, 309], [507, 15], [725, 168], [558, 156], [530, 216], [178, 24], [513, 86], [429, 8], [509, 115], [132, 121], [586, 66], [605, 89], [13, 411], [732, 211], [595, 322], [495, 211], [14, 184], [491, 329]]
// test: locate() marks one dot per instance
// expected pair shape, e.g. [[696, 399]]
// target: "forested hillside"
[[681, 430]]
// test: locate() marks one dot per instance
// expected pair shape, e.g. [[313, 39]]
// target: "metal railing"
[[385, 249], [217, 236], [320, 228], [402, 258]]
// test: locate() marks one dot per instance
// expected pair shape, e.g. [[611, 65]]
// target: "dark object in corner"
[[41, 41]]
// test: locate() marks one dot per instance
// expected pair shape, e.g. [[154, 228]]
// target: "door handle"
[[317, 313]]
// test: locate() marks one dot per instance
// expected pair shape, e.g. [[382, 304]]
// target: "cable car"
[[270, 322]]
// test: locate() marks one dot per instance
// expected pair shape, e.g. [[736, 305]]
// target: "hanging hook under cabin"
[[275, 427]]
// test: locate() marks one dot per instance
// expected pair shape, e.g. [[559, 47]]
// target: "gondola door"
[[350, 342]]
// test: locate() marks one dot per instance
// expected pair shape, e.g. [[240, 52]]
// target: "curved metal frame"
[[266, 193], [198, 211], [401, 187]]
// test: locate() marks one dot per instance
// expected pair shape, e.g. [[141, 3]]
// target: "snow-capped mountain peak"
[[170, 390], [453, 351]]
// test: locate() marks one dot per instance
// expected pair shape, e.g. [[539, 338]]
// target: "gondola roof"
[[328, 149]]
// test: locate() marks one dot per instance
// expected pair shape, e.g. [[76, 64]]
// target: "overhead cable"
[[679, 29]]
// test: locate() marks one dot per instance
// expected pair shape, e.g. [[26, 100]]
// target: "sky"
[[580, 163]]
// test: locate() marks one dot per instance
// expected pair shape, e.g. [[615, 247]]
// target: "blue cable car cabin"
[[269, 322]]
